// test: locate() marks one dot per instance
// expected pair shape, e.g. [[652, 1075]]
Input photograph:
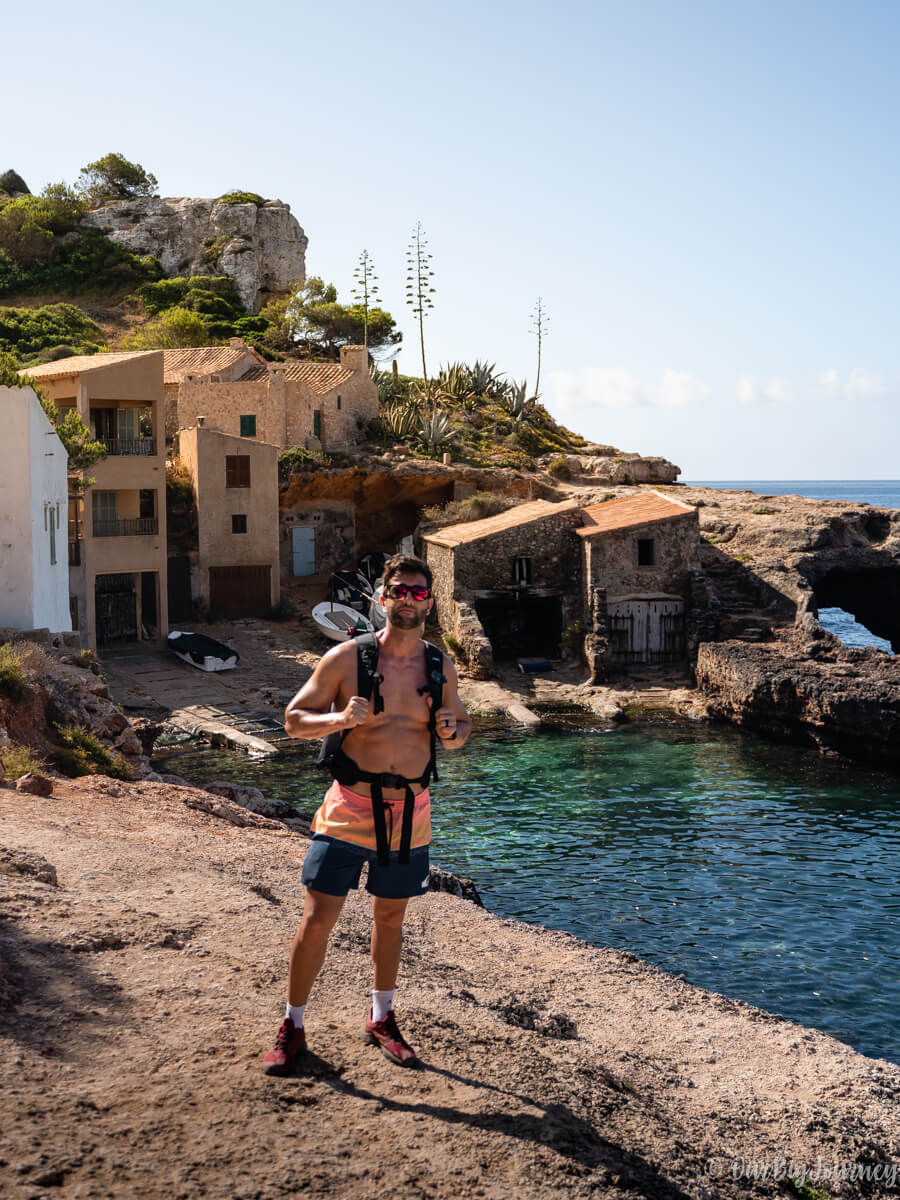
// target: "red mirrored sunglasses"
[[397, 591]]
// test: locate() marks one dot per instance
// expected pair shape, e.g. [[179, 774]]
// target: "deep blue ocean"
[[884, 493]]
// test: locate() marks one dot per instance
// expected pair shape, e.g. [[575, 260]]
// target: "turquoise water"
[[758, 871]]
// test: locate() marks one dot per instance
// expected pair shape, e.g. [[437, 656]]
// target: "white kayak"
[[202, 652], [340, 622]]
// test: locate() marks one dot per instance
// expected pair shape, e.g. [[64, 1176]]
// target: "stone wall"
[[263, 248], [611, 557], [472, 569], [284, 408], [335, 534]]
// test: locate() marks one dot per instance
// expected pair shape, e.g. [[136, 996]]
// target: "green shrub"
[[176, 327], [80, 752], [454, 645], [19, 759], [559, 467], [473, 508], [13, 673], [297, 460], [31, 333], [242, 198]]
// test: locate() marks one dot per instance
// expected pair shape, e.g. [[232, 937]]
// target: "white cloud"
[[863, 384], [614, 387], [677, 389], [830, 382], [769, 391]]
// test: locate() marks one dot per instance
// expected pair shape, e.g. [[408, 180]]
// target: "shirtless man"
[[396, 742]]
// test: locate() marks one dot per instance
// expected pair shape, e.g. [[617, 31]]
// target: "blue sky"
[[704, 194]]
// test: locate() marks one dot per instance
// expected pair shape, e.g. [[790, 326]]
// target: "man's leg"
[[387, 940], [320, 912]]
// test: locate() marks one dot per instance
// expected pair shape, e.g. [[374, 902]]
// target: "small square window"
[[646, 552], [248, 425], [239, 523]]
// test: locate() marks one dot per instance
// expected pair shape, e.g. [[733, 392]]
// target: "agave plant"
[[484, 380], [400, 420], [455, 383], [435, 429], [517, 402]]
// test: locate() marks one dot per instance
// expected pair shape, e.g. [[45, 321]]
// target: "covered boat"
[[202, 652], [340, 622]]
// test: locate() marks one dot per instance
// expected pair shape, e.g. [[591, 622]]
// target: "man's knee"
[[320, 912], [388, 914]]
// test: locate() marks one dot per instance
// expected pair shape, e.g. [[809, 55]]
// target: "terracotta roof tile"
[[200, 360], [521, 514], [629, 511], [79, 363], [320, 377]]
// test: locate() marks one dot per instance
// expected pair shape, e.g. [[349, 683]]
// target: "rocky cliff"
[[262, 247], [769, 564]]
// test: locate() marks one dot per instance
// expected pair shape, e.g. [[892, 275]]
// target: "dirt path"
[[138, 992]]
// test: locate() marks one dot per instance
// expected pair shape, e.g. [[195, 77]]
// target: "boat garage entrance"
[[521, 624]]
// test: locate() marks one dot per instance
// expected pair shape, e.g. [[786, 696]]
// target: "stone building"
[[34, 563], [235, 570], [316, 405], [117, 530], [638, 554], [508, 585]]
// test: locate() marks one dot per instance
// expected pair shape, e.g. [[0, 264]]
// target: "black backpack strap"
[[434, 687], [368, 681]]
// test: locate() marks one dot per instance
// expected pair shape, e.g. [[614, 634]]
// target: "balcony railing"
[[126, 527], [74, 553], [129, 446]]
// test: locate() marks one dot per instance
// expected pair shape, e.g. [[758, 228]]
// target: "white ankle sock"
[[295, 1012], [382, 1003]]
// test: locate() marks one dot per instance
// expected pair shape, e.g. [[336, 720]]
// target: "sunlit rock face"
[[262, 248]]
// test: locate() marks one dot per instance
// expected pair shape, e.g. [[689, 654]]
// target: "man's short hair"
[[401, 564]]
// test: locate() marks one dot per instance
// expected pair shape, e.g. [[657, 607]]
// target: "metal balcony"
[[126, 527], [129, 447]]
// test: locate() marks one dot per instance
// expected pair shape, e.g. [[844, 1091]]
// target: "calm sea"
[[884, 493]]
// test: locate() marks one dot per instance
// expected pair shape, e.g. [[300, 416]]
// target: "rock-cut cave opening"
[[871, 595]]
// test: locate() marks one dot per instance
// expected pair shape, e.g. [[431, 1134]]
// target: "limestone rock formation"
[[262, 248]]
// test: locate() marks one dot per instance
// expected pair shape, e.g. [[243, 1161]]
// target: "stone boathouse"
[[509, 586]]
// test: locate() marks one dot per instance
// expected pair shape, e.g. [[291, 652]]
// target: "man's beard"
[[405, 620]]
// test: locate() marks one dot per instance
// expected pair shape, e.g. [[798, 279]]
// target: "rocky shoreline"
[[142, 959]]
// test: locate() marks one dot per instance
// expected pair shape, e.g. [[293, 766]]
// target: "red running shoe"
[[290, 1043], [385, 1034]]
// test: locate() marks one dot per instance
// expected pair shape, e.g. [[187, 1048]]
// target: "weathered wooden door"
[[303, 547], [239, 591]]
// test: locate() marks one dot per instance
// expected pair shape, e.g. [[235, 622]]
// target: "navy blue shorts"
[[334, 867]]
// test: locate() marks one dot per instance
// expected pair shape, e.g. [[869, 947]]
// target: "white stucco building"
[[34, 562]]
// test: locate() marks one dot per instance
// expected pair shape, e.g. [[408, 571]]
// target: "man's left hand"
[[444, 723]]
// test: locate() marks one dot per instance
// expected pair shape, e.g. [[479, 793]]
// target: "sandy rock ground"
[[143, 949]]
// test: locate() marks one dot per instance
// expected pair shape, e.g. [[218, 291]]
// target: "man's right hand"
[[356, 712]]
